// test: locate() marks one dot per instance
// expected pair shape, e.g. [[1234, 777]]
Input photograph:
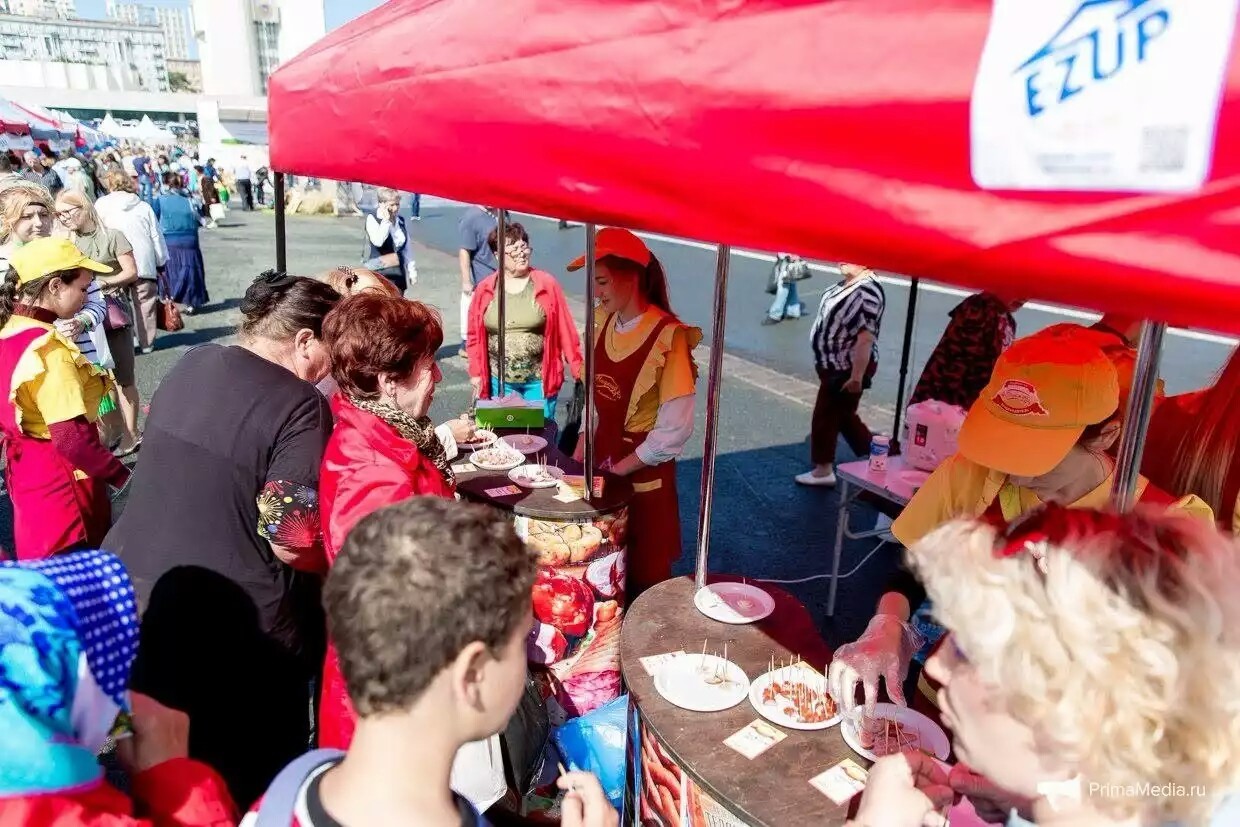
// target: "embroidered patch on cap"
[[1019, 398]]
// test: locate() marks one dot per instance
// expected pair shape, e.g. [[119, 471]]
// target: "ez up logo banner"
[[1116, 95]]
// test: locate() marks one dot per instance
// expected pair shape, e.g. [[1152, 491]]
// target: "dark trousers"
[[258, 188], [835, 414], [247, 193]]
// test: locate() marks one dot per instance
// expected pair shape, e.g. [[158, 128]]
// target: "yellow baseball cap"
[[45, 256], [1046, 389]]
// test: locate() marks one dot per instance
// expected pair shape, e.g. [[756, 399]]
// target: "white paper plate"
[[683, 682], [517, 475], [734, 602], [774, 712], [513, 461], [483, 439], [931, 736], [518, 443]]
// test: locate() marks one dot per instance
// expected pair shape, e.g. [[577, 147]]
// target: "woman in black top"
[[221, 535]]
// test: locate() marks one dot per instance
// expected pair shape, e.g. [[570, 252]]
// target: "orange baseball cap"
[[1046, 389], [614, 241]]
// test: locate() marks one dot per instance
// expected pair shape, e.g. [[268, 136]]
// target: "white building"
[[81, 54], [240, 42], [176, 23], [39, 8]]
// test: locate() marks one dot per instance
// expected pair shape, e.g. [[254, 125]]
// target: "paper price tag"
[[464, 468], [755, 739], [841, 782], [506, 491], [653, 663]]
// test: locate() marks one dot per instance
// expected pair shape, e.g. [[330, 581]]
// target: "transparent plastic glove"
[[909, 789], [884, 650], [992, 804]]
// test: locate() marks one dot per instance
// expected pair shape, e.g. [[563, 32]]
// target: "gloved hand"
[[884, 650], [992, 804]]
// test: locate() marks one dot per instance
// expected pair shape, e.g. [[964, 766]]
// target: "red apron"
[[654, 512], [52, 511]]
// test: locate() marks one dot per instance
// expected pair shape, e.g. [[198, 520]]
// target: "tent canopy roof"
[[837, 129]]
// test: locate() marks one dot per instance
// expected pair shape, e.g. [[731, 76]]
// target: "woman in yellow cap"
[[58, 471], [644, 391], [1039, 433]]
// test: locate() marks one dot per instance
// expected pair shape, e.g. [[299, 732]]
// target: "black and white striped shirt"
[[847, 308]]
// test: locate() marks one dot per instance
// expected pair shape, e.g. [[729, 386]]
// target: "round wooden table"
[[720, 786]]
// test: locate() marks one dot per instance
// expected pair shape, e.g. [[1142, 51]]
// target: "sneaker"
[[462, 353], [767, 321], [814, 481], [146, 350]]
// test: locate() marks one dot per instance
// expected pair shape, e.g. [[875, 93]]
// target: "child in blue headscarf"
[[68, 634]]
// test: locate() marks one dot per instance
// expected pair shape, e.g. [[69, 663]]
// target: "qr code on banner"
[[1164, 148]]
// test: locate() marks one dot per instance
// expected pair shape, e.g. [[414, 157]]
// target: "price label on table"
[[506, 491]]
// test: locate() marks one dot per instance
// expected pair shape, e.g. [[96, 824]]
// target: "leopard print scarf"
[[421, 432]]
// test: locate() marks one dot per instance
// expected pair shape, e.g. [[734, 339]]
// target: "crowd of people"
[[293, 527]]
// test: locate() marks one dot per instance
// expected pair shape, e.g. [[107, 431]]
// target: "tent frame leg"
[[1137, 417], [714, 385], [281, 241], [910, 319]]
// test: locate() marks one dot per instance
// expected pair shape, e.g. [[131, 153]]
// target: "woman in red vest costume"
[[644, 392]]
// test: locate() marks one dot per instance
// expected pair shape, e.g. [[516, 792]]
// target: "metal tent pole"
[[281, 244], [501, 232], [1137, 417], [909, 319], [588, 412], [714, 384]]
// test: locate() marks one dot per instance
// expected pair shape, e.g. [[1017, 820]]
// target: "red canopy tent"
[[837, 129]]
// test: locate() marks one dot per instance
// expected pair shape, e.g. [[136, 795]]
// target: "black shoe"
[[769, 321]]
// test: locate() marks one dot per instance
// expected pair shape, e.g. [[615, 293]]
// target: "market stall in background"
[[948, 163]]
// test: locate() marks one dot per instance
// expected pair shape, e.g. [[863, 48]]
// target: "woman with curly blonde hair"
[[1092, 670]]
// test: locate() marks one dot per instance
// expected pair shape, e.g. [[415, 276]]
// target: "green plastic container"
[[491, 414]]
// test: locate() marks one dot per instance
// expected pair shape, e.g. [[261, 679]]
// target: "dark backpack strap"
[[276, 809]]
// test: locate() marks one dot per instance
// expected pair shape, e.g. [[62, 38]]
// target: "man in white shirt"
[[245, 183]]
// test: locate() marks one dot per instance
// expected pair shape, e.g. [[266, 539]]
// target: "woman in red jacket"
[[70, 631], [539, 333], [384, 448]]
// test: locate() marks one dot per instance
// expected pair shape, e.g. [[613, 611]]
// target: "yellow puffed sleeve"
[[957, 488], [58, 391], [1195, 507]]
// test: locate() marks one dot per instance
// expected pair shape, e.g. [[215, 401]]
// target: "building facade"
[[176, 23], [39, 8], [81, 54], [241, 42], [190, 69]]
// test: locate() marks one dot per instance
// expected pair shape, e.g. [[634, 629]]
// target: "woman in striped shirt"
[[844, 337]]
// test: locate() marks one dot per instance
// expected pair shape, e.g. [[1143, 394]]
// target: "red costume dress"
[[635, 373], [46, 381], [367, 465]]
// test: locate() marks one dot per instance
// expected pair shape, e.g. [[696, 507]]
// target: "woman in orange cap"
[[1039, 433], [58, 470], [644, 391]]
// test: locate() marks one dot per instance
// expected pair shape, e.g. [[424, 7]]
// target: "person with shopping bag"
[[122, 209]]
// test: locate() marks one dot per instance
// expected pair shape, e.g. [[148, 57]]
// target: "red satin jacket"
[[366, 466], [176, 793], [561, 342]]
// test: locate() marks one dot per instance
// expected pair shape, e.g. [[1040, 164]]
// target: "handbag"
[[118, 316], [798, 269], [167, 314], [572, 427], [388, 261]]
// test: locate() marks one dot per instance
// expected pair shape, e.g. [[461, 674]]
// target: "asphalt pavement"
[[1190, 360]]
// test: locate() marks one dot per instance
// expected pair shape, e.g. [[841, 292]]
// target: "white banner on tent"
[[17, 143], [1109, 95]]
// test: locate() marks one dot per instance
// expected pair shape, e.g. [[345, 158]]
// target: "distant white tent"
[[109, 126], [149, 132]]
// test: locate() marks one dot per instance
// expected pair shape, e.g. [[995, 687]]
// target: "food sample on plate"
[[480, 437], [883, 736], [539, 474], [801, 695], [498, 456]]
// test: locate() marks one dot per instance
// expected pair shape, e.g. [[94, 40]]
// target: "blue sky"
[[338, 11]]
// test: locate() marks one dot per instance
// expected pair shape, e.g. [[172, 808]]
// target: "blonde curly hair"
[[1116, 638]]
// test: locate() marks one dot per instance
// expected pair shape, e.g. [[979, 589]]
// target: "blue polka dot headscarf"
[[68, 636]]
